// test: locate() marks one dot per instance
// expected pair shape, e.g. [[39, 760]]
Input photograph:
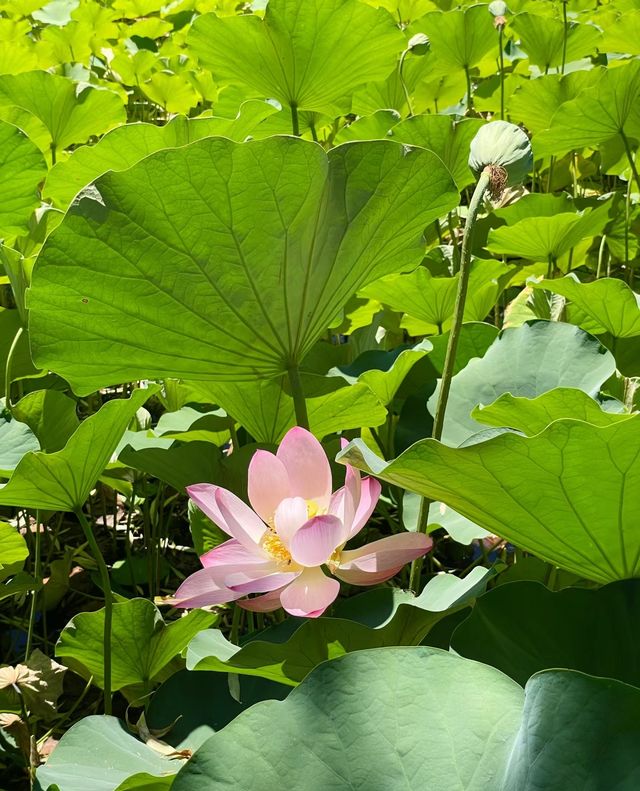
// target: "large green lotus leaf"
[[266, 409], [531, 490], [62, 481], [448, 138], [200, 704], [541, 238], [523, 627], [291, 54], [533, 415], [577, 732], [428, 301], [54, 111], [23, 168], [51, 415], [606, 305], [621, 29], [462, 37], [408, 621], [98, 752], [123, 147], [542, 38], [604, 110], [360, 722], [211, 293], [524, 361], [535, 101], [142, 644]]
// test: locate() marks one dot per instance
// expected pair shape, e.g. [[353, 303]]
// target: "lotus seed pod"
[[505, 147], [498, 8], [419, 44]]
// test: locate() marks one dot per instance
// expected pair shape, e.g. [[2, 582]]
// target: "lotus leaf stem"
[[108, 604], [484, 184]]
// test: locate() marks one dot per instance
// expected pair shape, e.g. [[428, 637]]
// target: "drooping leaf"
[[290, 55], [13, 548], [523, 627], [21, 364], [531, 491], [23, 168], [524, 361], [142, 644], [410, 619], [224, 297], [62, 481], [51, 415], [533, 415]]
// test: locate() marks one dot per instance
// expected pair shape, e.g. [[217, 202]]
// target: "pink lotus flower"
[[296, 527]]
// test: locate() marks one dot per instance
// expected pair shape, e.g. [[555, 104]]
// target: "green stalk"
[[407, 97], [629, 153], [469, 97], [7, 369], [564, 35], [37, 573], [299, 402], [236, 620], [601, 252], [452, 347], [501, 56], [108, 604], [295, 122], [458, 311]]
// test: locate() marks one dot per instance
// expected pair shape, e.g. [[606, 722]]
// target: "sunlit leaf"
[[531, 491], [291, 55], [224, 297]]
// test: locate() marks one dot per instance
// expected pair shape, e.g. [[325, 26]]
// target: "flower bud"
[[505, 148]]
